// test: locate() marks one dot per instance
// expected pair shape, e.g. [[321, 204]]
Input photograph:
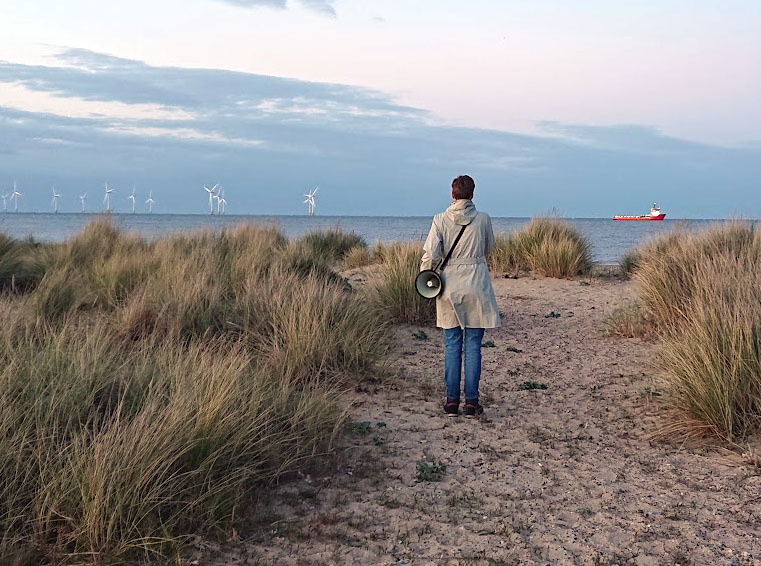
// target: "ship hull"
[[646, 217]]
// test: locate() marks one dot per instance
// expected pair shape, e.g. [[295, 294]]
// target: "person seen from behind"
[[467, 305]]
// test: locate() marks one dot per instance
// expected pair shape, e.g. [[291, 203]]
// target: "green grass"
[[430, 471], [149, 389], [531, 385]]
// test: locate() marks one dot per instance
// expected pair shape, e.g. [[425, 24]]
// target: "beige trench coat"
[[468, 299]]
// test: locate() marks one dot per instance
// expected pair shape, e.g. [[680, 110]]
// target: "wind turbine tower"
[[132, 198], [310, 201], [15, 196], [5, 202], [54, 202], [222, 201], [150, 201], [82, 198], [212, 193], [107, 198]]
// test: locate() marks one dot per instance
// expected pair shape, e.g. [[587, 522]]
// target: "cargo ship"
[[655, 214]]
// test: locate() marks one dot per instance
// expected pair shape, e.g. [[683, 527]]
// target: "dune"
[[569, 474]]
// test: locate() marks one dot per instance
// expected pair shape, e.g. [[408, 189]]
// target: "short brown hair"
[[463, 187]]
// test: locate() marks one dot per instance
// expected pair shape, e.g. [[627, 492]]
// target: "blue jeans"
[[453, 338]]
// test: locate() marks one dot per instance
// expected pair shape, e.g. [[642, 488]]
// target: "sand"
[[566, 475]]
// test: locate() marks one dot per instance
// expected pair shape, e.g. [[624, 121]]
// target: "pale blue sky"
[[590, 107]]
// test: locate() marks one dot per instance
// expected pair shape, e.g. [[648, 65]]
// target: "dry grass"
[[702, 292], [547, 246], [332, 244], [629, 322], [358, 256], [394, 292], [148, 389]]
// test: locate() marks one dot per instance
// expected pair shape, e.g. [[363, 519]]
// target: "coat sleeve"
[[489, 244], [431, 248]]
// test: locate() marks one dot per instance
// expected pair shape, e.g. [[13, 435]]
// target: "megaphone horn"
[[428, 284]]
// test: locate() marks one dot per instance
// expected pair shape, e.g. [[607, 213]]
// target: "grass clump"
[[548, 246], [432, 471], [148, 389], [628, 321], [394, 291], [701, 291], [358, 256], [531, 385], [332, 244]]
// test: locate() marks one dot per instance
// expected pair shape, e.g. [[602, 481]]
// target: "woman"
[[467, 305]]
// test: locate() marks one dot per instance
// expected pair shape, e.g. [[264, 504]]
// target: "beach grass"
[[547, 246], [393, 292], [149, 389], [333, 244], [358, 256], [701, 291]]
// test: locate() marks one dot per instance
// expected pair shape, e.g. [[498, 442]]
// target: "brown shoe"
[[452, 407], [473, 408]]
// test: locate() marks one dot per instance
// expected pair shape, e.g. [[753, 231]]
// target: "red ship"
[[655, 214]]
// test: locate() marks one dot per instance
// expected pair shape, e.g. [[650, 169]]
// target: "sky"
[[586, 108]]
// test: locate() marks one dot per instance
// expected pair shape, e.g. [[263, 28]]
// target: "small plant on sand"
[[420, 335], [513, 349], [531, 385], [628, 321], [488, 344], [430, 471], [359, 428], [552, 314]]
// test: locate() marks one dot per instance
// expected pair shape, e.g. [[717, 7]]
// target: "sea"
[[610, 239]]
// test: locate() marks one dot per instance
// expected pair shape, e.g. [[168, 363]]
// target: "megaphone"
[[428, 284]]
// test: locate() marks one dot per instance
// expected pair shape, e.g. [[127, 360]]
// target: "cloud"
[[267, 138], [322, 6]]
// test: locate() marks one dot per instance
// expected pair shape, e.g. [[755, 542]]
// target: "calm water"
[[609, 238]]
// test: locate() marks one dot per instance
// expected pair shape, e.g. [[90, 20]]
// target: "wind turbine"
[[16, 194], [107, 198], [211, 192], [82, 198], [132, 198], [149, 202], [310, 201], [5, 202], [54, 202], [223, 202]]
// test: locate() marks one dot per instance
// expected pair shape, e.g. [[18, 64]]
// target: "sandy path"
[[564, 475]]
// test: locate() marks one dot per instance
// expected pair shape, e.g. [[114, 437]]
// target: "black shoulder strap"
[[457, 239]]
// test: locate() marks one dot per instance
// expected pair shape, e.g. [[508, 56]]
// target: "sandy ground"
[[566, 475]]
